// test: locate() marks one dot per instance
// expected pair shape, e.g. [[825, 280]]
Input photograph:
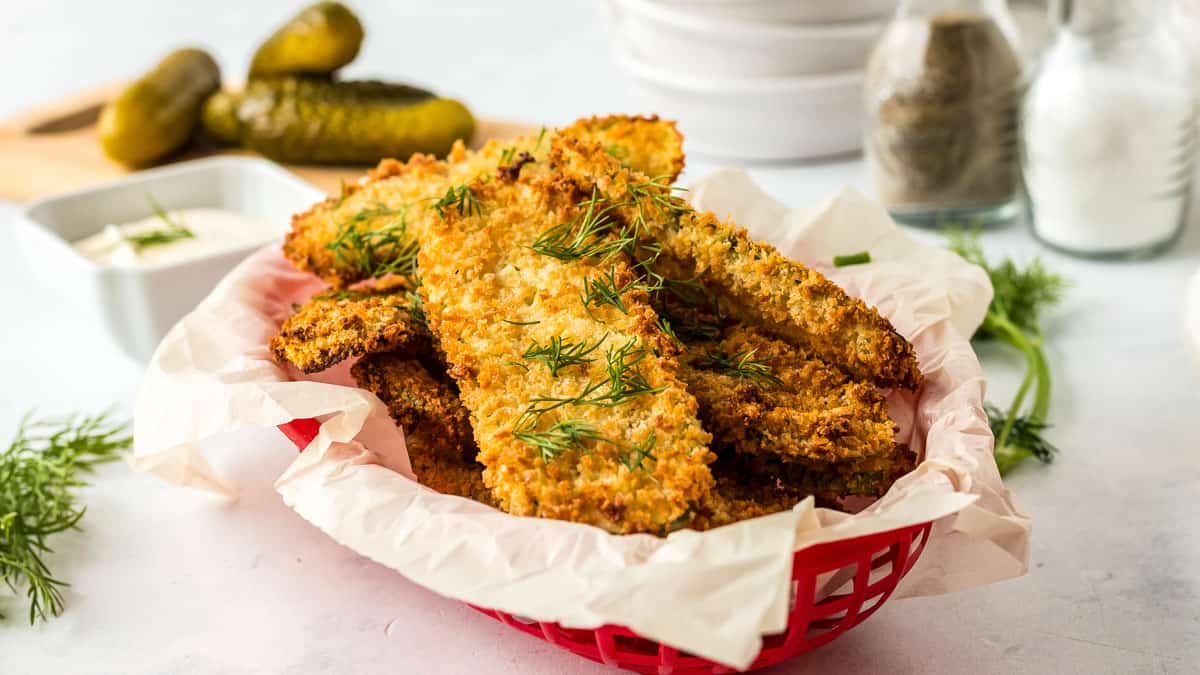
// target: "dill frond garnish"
[[507, 154], [459, 197], [741, 365], [559, 353], [665, 326], [604, 290], [562, 436], [659, 192], [171, 231], [585, 236], [520, 323], [40, 479], [625, 378], [416, 308], [378, 251], [640, 452], [541, 137]]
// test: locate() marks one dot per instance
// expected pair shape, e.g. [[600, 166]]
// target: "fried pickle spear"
[[361, 233], [755, 283], [758, 394], [436, 427], [338, 325], [576, 408]]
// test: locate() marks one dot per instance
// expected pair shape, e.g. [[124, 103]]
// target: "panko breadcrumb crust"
[[818, 425]]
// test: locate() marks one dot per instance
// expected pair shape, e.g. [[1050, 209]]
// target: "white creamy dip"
[[211, 231]]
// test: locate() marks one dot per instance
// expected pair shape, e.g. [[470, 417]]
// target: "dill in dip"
[[173, 236]]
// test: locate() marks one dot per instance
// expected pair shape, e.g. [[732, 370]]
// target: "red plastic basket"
[[872, 566]]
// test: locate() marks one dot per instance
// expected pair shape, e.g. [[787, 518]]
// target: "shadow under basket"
[[869, 567]]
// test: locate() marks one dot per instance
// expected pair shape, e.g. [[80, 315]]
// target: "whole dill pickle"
[[318, 122], [155, 115], [317, 41]]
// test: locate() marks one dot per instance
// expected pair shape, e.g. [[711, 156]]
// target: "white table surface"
[[170, 581]]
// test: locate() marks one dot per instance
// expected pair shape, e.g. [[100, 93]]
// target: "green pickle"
[[317, 41], [311, 121], [155, 115]]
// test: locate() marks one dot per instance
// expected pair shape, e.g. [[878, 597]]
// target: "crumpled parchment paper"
[[713, 593]]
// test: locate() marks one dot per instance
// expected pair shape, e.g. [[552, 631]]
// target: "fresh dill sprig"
[[1020, 295], [562, 436], [604, 290], [860, 258], [416, 308], [664, 325], [640, 452], [559, 353], [742, 365], [625, 378], [541, 137], [171, 231], [459, 197], [40, 479], [520, 323], [1025, 439], [375, 252], [659, 192], [507, 155], [585, 236]]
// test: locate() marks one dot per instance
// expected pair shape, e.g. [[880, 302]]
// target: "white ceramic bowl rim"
[[149, 176], [747, 30], [737, 86]]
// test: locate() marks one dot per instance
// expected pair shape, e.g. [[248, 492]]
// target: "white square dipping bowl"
[[137, 306]]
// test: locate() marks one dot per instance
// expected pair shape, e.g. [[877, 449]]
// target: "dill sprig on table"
[[171, 231], [376, 252], [1020, 295], [40, 478], [742, 365]]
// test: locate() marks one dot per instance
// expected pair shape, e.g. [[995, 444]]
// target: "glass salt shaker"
[[943, 90], [1109, 136]]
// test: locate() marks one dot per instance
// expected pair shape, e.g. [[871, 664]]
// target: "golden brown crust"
[[756, 282], [336, 326], [646, 144], [814, 414], [414, 187], [436, 426], [489, 297]]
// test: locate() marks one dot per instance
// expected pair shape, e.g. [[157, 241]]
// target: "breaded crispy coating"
[[436, 426], [647, 144], [758, 394], [582, 336], [755, 282], [339, 325], [609, 437], [352, 237]]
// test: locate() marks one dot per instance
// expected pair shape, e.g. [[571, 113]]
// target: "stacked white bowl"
[[752, 79]]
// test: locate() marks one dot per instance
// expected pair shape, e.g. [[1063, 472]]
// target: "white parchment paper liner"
[[713, 593]]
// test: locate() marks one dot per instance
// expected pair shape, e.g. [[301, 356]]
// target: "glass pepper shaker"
[[942, 95], [1109, 140]]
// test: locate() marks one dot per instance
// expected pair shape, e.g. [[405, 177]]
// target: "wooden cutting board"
[[55, 148]]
